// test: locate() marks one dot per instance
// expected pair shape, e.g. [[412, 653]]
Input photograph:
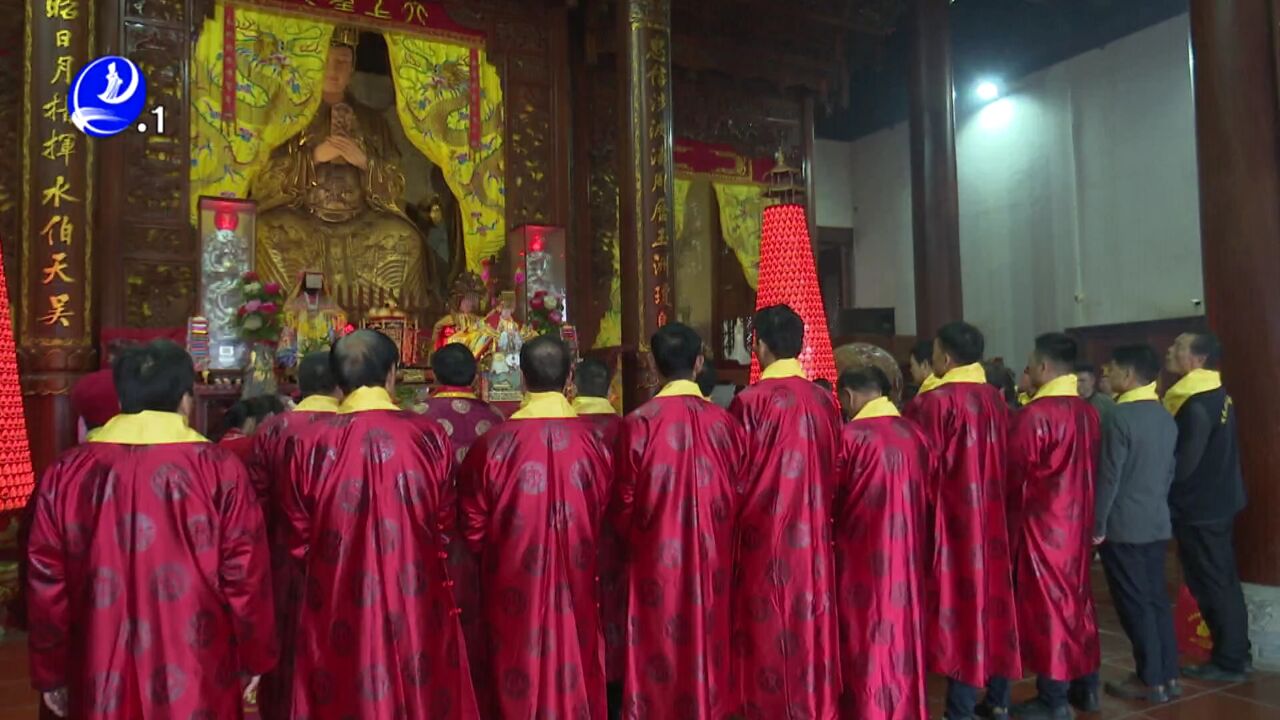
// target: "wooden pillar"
[[808, 140], [645, 187], [55, 332], [1238, 141], [934, 209]]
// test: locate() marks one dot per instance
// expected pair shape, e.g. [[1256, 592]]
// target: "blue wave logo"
[[107, 95]]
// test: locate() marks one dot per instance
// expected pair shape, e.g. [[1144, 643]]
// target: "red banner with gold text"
[[412, 16]]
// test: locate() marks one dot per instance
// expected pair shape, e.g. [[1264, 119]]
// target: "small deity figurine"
[[312, 320], [505, 381], [464, 324]]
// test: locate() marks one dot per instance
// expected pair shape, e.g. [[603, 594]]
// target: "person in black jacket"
[[1207, 493]]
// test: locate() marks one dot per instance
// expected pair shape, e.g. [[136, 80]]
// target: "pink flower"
[[269, 308], [519, 278], [253, 306], [536, 302], [240, 311], [556, 317], [250, 276], [271, 288], [540, 293]]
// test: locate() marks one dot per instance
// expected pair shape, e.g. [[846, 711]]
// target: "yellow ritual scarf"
[[586, 405], [1024, 399], [878, 408], [148, 427], [682, 388], [365, 399], [1139, 394], [318, 403], [786, 368], [929, 383], [544, 405], [1193, 383], [1061, 386], [452, 392], [972, 374]]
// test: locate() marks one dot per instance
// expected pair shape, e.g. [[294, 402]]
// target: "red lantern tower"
[[16, 476], [788, 275]]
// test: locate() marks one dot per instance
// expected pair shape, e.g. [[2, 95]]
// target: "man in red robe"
[[1053, 446], [149, 589], [785, 650], [268, 467], [591, 402], [533, 493], [465, 418], [972, 631], [881, 508], [680, 459], [370, 511]]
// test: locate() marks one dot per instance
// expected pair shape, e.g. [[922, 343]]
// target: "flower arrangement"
[[546, 312], [261, 314]]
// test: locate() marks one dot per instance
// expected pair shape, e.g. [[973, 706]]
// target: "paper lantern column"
[[16, 477], [789, 277]]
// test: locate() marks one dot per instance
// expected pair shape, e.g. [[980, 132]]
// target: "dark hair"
[[1001, 378], [962, 341], [781, 330], [823, 383], [261, 406], [155, 376], [676, 348], [1141, 359], [707, 379], [1058, 349], [454, 365], [922, 352], [545, 362], [315, 376], [1206, 345], [866, 379], [1083, 368], [591, 378], [363, 359]]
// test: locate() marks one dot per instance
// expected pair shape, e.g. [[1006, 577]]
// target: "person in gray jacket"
[[1132, 522]]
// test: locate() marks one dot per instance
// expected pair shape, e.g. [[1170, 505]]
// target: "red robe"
[[613, 591], [149, 589], [238, 444], [269, 470], [882, 562], [973, 629], [680, 460], [369, 515], [533, 493], [464, 418], [1053, 446], [785, 651]]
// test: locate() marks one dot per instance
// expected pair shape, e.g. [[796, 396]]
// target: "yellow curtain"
[[279, 72], [433, 100], [610, 332], [741, 208], [681, 197]]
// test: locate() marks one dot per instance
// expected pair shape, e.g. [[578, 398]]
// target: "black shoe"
[[986, 710], [1212, 673], [1135, 689], [1084, 699], [1037, 709]]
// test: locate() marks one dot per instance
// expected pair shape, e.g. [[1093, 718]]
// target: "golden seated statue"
[[330, 198]]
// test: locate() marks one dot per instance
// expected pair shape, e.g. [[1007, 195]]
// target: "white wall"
[[1078, 198], [831, 174]]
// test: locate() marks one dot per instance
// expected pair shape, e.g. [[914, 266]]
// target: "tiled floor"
[[1257, 699]]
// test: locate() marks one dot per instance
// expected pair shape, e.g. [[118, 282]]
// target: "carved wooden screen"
[[147, 253]]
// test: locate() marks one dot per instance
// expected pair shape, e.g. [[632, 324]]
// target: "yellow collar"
[[587, 405], [544, 405], [1061, 386], [682, 388], [365, 399], [1024, 399], [972, 374], [928, 384], [1193, 383], [318, 403], [455, 393], [1139, 394], [785, 368], [878, 408], [147, 428]]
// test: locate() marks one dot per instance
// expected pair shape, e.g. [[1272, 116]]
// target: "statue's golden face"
[[338, 69]]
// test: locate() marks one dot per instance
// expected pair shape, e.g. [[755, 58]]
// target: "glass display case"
[[537, 254], [226, 253]]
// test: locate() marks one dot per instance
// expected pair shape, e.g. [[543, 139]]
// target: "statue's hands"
[[326, 151], [351, 151]]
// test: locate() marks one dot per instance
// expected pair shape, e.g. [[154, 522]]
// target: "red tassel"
[[474, 127]]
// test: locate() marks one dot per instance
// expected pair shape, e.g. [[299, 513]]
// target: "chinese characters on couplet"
[[58, 146]]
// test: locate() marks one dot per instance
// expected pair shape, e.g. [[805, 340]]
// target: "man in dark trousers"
[[1132, 521], [1207, 493]]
